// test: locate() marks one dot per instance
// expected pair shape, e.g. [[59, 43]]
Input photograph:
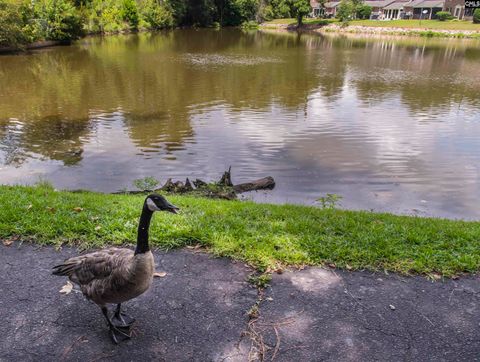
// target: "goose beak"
[[173, 209]]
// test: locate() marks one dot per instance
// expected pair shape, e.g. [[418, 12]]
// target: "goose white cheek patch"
[[151, 205]]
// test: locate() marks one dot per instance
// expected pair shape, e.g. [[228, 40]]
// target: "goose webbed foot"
[[117, 333], [121, 319]]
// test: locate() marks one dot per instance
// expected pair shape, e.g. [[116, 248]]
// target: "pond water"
[[388, 124]]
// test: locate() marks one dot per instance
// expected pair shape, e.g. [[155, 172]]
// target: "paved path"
[[198, 312]]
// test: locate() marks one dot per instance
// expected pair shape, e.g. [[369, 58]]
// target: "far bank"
[[423, 28]]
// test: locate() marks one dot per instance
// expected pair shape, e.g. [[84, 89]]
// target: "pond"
[[389, 124]]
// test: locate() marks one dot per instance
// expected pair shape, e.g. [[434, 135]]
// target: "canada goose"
[[115, 275]]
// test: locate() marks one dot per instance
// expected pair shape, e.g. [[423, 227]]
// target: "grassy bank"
[[415, 28], [403, 24], [417, 24], [263, 235]]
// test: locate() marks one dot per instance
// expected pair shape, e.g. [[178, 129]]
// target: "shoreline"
[[265, 236], [372, 30], [35, 45], [322, 28]]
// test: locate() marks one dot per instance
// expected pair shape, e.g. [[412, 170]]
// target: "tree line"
[[26, 21]]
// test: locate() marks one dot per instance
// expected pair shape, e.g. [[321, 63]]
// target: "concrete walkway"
[[198, 312]]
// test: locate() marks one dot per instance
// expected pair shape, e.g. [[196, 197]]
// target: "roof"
[[427, 4], [397, 5], [332, 4], [378, 3]]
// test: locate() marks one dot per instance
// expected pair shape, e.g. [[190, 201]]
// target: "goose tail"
[[65, 269]]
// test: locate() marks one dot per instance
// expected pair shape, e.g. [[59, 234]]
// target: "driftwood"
[[226, 179], [266, 183], [224, 188], [199, 183], [188, 186]]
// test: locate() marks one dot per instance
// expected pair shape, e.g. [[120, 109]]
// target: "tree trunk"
[[299, 20]]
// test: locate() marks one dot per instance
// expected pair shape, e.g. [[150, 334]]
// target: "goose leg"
[[122, 319], [115, 331]]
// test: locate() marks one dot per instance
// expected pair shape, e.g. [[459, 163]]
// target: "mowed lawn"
[[424, 24], [406, 24], [266, 236]]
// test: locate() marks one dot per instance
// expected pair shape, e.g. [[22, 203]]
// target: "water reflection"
[[390, 124]]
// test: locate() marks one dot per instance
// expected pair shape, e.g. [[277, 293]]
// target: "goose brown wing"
[[101, 264]]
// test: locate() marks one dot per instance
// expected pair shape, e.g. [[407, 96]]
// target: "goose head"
[[155, 202]]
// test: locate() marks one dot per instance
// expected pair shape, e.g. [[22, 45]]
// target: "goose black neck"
[[143, 226]]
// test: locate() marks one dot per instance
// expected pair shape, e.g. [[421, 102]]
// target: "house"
[[317, 9], [426, 9], [398, 9], [458, 10], [331, 8], [421, 9], [377, 7]]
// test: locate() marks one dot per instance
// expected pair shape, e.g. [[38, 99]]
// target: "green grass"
[[424, 24], [263, 235]]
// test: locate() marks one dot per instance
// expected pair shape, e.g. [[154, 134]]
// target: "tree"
[[11, 32], [280, 8], [299, 8], [345, 10], [156, 15], [130, 13], [353, 9], [364, 11], [476, 16]]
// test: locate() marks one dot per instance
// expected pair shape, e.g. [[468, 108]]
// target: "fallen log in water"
[[266, 183], [224, 188]]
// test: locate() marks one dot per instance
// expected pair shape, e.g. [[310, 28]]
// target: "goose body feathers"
[[112, 275]]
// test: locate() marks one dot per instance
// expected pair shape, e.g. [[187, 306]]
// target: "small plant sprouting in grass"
[[146, 184], [260, 281], [44, 184], [253, 312], [330, 201]]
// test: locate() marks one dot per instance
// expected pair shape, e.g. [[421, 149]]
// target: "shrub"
[[444, 15], [11, 29], [364, 11], [266, 13], [280, 8], [247, 9], [129, 13], [157, 16], [476, 16], [58, 20], [250, 25], [146, 184], [108, 15], [345, 10]]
